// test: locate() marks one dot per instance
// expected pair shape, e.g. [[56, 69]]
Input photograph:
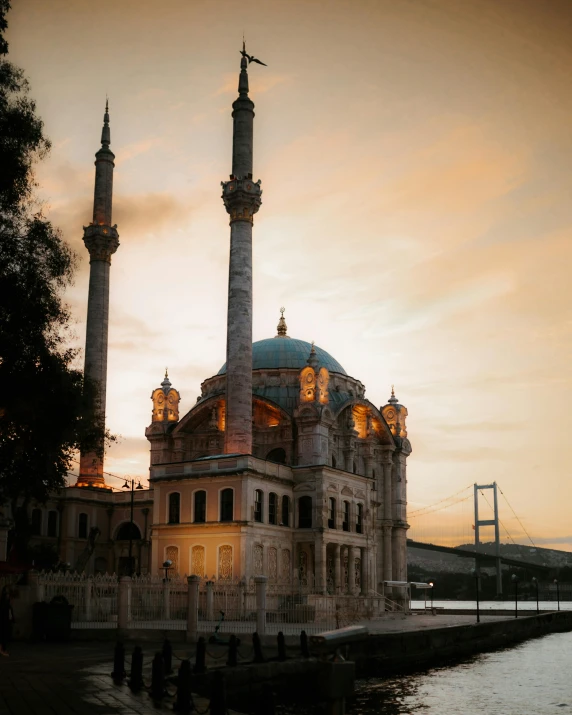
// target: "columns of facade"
[[368, 458], [387, 554], [342, 574], [241, 196], [364, 576], [353, 553], [387, 491], [101, 240], [321, 563], [337, 569], [400, 521], [311, 566], [349, 456], [387, 521]]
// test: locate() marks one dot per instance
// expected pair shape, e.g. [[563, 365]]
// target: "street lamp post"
[[431, 584], [557, 592], [133, 487], [167, 565], [515, 581], [535, 582], [476, 576]]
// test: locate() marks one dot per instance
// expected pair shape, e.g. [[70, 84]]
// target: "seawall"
[[418, 649]]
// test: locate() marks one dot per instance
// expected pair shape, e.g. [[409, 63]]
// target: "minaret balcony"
[[101, 241], [241, 197]]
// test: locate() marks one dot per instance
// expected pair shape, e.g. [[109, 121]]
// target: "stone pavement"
[[74, 679]]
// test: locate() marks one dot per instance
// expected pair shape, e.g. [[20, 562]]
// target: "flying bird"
[[251, 58]]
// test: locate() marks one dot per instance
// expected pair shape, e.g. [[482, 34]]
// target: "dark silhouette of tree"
[[44, 402]]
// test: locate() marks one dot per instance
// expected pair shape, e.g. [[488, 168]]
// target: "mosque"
[[282, 467]]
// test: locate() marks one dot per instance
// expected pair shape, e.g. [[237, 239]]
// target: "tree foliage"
[[45, 406]]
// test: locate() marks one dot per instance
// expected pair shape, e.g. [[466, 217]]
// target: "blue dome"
[[285, 352]]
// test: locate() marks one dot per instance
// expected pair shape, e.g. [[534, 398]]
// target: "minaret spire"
[[241, 197], [101, 240]]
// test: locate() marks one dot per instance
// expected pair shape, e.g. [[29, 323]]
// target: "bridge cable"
[[429, 506], [519, 521], [501, 523], [438, 508]]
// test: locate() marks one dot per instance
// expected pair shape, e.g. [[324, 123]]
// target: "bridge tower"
[[489, 522]]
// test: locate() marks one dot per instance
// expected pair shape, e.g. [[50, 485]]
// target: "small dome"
[[285, 352]]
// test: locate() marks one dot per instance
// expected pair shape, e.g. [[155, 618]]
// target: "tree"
[[45, 404]]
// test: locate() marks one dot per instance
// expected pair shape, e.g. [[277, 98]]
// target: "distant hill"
[[441, 562]]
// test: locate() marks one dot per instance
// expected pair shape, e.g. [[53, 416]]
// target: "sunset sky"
[[415, 157]]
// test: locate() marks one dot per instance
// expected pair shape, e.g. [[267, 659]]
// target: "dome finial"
[[392, 400], [166, 384], [313, 359], [282, 327]]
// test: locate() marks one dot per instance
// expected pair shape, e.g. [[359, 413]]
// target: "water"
[[532, 678], [506, 605]]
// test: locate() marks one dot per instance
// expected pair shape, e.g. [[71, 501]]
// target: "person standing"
[[6, 620]]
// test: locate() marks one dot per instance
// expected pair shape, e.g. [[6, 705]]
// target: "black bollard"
[[157, 690], [266, 704], [135, 681], [232, 652], [304, 645], [281, 646], [217, 704], [118, 662], [200, 658], [184, 701], [167, 656], [257, 646]]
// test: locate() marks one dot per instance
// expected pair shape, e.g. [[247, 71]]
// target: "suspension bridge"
[[460, 519]]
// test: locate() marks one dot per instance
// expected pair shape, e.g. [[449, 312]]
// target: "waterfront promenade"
[[74, 678]]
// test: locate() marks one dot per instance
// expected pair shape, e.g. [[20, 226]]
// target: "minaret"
[[241, 197], [101, 240]]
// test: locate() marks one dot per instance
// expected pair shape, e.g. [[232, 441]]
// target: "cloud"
[[144, 215], [566, 540], [128, 458], [130, 151]]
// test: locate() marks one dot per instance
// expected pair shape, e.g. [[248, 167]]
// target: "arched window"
[[334, 462], [52, 523], [82, 526], [225, 559], [332, 513], [200, 507], [128, 531], [258, 496], [272, 508], [285, 520], [359, 519], [305, 513], [174, 508], [36, 524], [277, 455], [172, 555], [227, 505], [198, 560], [346, 522]]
